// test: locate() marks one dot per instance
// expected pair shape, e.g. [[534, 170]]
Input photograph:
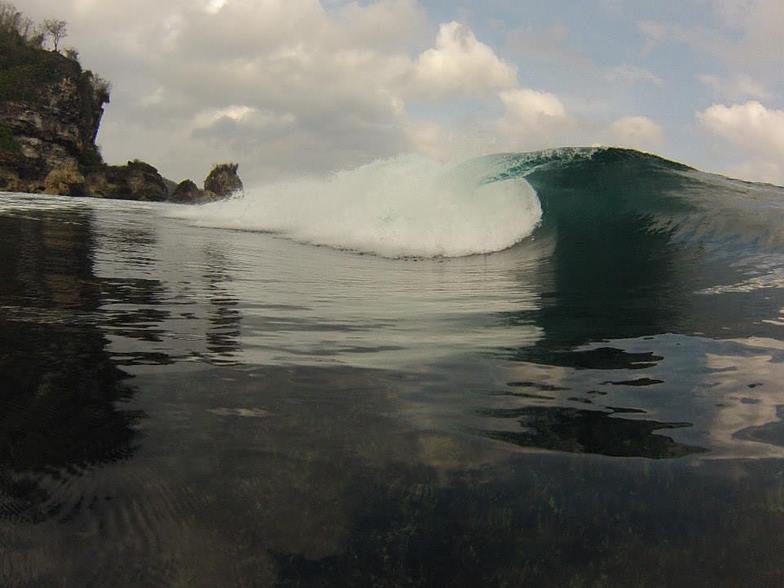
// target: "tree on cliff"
[[57, 30], [13, 22]]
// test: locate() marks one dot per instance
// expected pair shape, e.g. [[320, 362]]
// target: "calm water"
[[188, 406]]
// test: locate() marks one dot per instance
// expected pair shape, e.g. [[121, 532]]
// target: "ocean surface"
[[563, 368]]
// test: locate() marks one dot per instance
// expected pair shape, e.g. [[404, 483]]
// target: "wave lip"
[[407, 206]]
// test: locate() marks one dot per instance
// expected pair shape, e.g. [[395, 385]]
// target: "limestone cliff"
[[50, 113]]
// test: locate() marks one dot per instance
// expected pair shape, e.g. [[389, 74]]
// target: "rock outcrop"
[[186, 192], [67, 180], [224, 181], [135, 181]]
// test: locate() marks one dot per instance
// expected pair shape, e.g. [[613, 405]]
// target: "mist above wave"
[[399, 207]]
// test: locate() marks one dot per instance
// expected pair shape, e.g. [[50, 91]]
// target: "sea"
[[561, 368]]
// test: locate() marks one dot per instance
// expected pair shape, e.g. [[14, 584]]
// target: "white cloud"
[[214, 6], [746, 34], [771, 172], [389, 24], [636, 131], [459, 64], [750, 125], [756, 133], [528, 105], [533, 119], [736, 88]]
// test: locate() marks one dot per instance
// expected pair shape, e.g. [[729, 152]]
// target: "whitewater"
[[407, 206]]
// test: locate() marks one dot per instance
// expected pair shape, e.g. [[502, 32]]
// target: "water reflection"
[[589, 431], [59, 408], [223, 334]]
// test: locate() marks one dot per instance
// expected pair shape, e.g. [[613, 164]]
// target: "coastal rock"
[[187, 192], [224, 181], [171, 186], [135, 181], [66, 180], [10, 181]]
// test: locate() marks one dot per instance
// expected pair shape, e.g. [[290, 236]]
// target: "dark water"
[[601, 406]]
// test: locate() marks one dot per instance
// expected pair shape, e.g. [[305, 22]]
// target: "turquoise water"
[[187, 403]]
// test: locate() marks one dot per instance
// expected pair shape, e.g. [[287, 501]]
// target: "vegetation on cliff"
[[26, 64]]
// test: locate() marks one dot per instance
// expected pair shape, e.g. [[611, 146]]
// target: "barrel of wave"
[[407, 206]]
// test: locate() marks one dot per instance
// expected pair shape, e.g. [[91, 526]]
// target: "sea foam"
[[400, 207]]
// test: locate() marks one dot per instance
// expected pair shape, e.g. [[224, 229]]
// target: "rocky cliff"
[[50, 113]]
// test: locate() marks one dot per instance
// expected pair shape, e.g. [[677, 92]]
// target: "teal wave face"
[[635, 240], [622, 191]]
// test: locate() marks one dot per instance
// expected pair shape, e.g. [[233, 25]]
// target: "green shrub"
[[91, 159], [24, 71], [7, 140]]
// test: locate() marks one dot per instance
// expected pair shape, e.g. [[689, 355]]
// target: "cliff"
[[50, 113]]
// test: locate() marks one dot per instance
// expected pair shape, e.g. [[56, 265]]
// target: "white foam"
[[405, 206]]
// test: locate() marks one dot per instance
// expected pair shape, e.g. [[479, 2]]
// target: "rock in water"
[[135, 181], [187, 192], [224, 181]]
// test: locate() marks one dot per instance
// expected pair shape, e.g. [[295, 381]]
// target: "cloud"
[[459, 64], [631, 74], [745, 34], [756, 133], [387, 24], [636, 131], [737, 87], [530, 105], [533, 119]]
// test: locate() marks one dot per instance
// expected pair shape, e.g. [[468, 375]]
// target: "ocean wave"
[[410, 206]]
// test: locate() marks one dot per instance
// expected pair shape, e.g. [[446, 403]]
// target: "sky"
[[291, 88]]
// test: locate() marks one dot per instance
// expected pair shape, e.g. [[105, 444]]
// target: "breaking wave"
[[410, 206], [400, 207]]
